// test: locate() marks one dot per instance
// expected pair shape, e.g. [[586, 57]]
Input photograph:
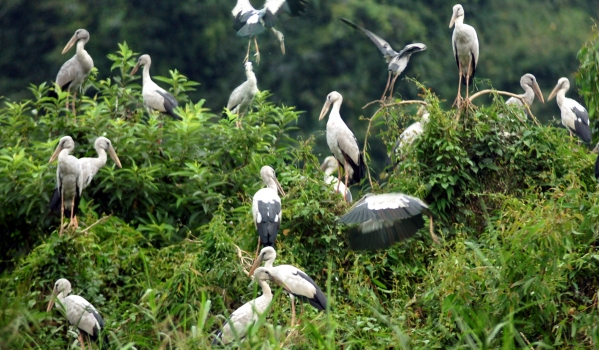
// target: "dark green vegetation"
[[157, 252]]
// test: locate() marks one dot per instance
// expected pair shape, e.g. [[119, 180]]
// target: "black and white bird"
[[69, 182], [91, 166], [342, 142], [574, 116], [242, 318], [250, 22], [74, 71], [241, 98], [80, 313], [397, 61], [329, 166], [531, 89], [381, 220], [155, 97], [295, 281], [266, 208], [464, 42]]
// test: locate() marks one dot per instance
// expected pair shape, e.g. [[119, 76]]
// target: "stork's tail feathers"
[[359, 170], [268, 233], [55, 201]]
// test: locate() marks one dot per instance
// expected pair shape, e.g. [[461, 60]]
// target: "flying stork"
[[90, 166], [384, 219], [397, 61], [69, 182], [266, 208], [465, 50], [574, 116], [155, 97], [74, 71], [343, 143], [241, 98], [295, 281], [242, 318], [250, 22], [329, 166], [80, 313]]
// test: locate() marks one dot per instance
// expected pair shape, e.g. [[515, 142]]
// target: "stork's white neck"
[[459, 21], [335, 116], [83, 57], [101, 159], [329, 171], [266, 292], [269, 263], [561, 96], [146, 75], [251, 76], [528, 95]]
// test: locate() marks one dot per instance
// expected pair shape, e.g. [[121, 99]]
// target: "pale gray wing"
[[67, 73], [383, 46], [390, 206], [242, 6], [237, 96]]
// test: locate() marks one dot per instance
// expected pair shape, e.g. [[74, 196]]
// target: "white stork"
[[154, 96], [531, 89], [90, 166], [266, 208], [384, 219], [342, 142], [329, 166], [397, 61], [574, 116], [74, 71], [251, 22], [243, 95], [411, 133], [295, 281], [69, 182], [242, 318], [465, 49], [80, 313]]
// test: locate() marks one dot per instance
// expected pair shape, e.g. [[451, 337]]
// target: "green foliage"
[[587, 78], [162, 248]]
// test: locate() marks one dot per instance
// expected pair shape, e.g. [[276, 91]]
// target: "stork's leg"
[[247, 55], [257, 51], [338, 178], [386, 86], [81, 341], [458, 101], [468, 82], [392, 85], [73, 104], [61, 214], [346, 170], [89, 342], [292, 312], [72, 220]]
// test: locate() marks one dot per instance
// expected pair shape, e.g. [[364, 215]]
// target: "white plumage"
[[242, 318], [342, 142], [397, 61], [295, 281], [266, 208], [90, 166], [243, 95], [528, 82], [74, 71], [409, 135], [574, 116], [69, 182], [465, 49], [154, 96], [329, 166], [80, 313]]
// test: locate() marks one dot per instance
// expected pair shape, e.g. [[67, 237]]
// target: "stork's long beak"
[[279, 187], [325, 109], [135, 68], [56, 153], [51, 302], [453, 18], [282, 46], [537, 91], [554, 92], [70, 44], [324, 165], [256, 265], [114, 156]]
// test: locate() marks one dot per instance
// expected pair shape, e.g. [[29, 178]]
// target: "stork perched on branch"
[[343, 143], [241, 98], [574, 116], [397, 61], [69, 182], [464, 42], [74, 71], [250, 22]]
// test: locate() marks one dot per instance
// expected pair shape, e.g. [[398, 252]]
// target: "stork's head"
[[61, 286], [563, 84], [280, 39], [458, 15], [80, 34], [143, 60], [530, 80], [332, 98], [105, 144], [270, 179], [65, 142], [261, 274], [267, 256]]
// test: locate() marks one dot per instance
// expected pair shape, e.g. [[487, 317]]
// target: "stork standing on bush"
[[464, 42], [266, 208], [343, 143], [91, 166], [69, 182], [574, 116]]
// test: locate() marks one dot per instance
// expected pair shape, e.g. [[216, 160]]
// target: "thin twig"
[[406, 102], [490, 91], [243, 259], [95, 223], [526, 340]]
